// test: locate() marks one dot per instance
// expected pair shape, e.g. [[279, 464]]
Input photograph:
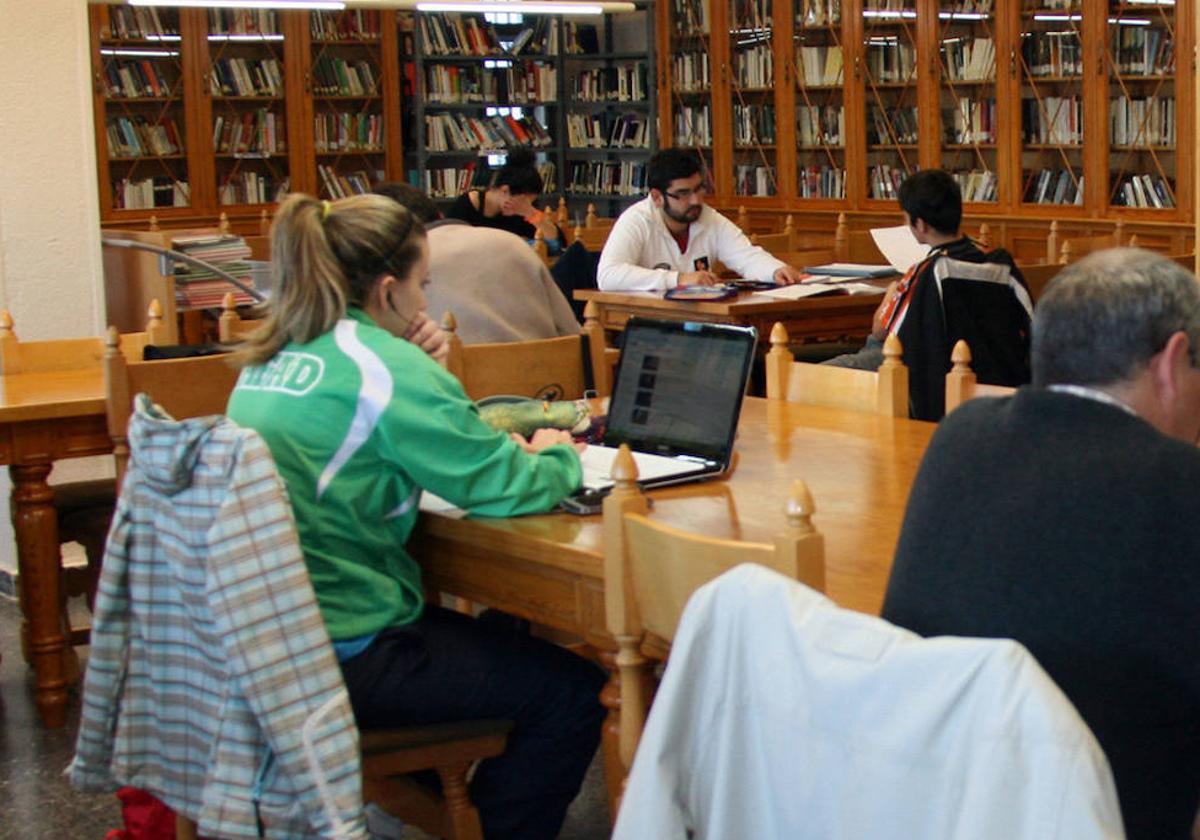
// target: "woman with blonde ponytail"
[[360, 421]]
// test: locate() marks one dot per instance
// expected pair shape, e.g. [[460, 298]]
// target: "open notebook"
[[676, 401]]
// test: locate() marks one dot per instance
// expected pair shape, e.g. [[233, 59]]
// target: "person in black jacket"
[[508, 204], [958, 291], [1064, 517]]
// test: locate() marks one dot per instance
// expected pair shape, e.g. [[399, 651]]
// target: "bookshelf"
[[610, 110], [242, 106], [1044, 110]]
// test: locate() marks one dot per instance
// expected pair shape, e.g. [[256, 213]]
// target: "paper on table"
[[810, 288], [431, 503], [899, 247]]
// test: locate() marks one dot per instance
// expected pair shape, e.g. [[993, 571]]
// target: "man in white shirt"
[[671, 238]]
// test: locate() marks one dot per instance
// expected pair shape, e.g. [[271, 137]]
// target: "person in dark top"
[[508, 204], [958, 291], [1063, 517]]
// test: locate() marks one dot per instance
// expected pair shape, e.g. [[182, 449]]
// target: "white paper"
[[899, 247], [811, 288], [431, 503]]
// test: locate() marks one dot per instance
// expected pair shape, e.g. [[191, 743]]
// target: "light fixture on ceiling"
[[330, 5], [529, 7]]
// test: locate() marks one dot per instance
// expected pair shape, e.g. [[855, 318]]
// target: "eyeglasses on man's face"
[[688, 194]]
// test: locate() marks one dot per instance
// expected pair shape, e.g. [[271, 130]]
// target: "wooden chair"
[[591, 238], [231, 326], [778, 243], [961, 384], [650, 570], [884, 391], [1076, 247], [1037, 277], [83, 508], [562, 368], [189, 387]]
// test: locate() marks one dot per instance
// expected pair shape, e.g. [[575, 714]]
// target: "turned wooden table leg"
[[36, 526]]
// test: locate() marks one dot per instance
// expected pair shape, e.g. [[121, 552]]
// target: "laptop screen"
[[679, 387]]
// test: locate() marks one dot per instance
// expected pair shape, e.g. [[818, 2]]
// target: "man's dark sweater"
[[1070, 525]]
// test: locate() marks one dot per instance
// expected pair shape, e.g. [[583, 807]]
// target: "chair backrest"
[[961, 384], [1076, 247], [593, 222], [562, 368], [188, 387], [651, 569], [231, 326], [1037, 277], [884, 391], [591, 238], [18, 356]]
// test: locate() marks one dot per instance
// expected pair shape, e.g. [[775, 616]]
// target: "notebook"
[[676, 401]]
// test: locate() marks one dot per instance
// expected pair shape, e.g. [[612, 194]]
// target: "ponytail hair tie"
[[324, 210]]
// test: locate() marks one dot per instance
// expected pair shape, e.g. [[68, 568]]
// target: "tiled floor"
[[36, 803]]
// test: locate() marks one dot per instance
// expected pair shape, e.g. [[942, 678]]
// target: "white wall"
[[50, 264]]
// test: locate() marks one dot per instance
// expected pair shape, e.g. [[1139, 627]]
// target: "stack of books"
[[198, 288]]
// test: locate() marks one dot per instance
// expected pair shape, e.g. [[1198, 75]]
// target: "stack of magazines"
[[199, 288]]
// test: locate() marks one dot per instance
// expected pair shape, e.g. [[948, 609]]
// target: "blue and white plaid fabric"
[[210, 660]]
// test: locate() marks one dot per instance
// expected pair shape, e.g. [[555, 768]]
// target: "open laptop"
[[676, 401]]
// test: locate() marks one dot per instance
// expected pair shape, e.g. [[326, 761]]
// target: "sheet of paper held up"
[[899, 247], [819, 286]]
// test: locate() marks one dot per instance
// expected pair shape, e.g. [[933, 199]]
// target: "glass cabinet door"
[[691, 79], [819, 57], [890, 78], [967, 96], [752, 91], [1052, 117], [1142, 120]]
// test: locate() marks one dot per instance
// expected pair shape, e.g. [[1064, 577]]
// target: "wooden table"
[[806, 319], [550, 568], [45, 417]]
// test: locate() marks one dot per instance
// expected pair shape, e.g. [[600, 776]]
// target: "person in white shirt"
[[671, 238]]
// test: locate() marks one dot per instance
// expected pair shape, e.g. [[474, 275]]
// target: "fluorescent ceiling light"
[[332, 5], [530, 7], [142, 53]]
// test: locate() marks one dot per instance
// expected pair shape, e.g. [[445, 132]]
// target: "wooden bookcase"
[[204, 112], [1067, 110]]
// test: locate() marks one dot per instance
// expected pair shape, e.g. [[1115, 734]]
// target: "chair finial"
[[985, 235], [153, 223], [223, 222], [893, 351], [112, 341], [590, 219], [624, 470], [961, 355], [264, 223], [449, 322], [800, 507], [779, 335], [6, 322]]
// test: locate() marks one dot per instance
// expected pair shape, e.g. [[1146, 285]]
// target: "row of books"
[[884, 181], [253, 132], [132, 137], [532, 82], [335, 76], [608, 131], [891, 61], [1148, 121], [1144, 190], [753, 124], [199, 288], [246, 77], [887, 126], [819, 12], [753, 180], [145, 193], [619, 83], [138, 22], [249, 187], [820, 125], [344, 184], [452, 132], [690, 17], [821, 182], [243, 22], [1054, 186], [540, 36], [693, 126], [751, 14], [1055, 120], [1055, 54], [457, 34], [819, 65], [1035, 5], [347, 25], [970, 121], [1143, 51], [754, 67], [969, 59], [690, 72], [527, 82], [976, 184], [446, 182], [981, 7], [606, 178], [138, 79], [344, 132]]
